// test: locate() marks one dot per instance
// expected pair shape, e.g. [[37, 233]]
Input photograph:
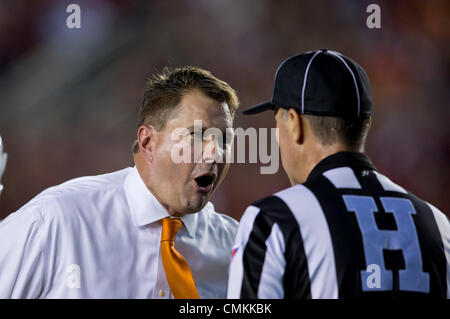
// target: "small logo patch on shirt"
[[234, 251]]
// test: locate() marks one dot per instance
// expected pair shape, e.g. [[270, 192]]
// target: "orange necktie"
[[177, 269]]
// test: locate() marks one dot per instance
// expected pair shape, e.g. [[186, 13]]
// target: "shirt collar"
[[146, 209], [352, 159]]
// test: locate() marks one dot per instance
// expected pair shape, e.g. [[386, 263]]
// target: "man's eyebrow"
[[191, 128], [202, 126], [194, 126]]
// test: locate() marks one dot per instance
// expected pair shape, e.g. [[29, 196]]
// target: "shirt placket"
[[162, 289]]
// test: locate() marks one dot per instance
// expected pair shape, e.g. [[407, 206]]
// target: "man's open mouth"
[[205, 182]]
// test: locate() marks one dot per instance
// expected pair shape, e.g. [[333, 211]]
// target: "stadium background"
[[69, 98]]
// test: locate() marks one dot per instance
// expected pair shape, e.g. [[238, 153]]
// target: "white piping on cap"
[[353, 76], [304, 79]]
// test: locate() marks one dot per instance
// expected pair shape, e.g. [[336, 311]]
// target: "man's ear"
[[295, 126], [146, 138]]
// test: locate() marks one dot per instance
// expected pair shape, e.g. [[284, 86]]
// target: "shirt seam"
[[42, 253]]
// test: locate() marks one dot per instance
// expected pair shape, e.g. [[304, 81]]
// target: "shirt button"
[[162, 293]]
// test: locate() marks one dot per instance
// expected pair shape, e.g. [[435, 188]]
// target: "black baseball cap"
[[321, 82]]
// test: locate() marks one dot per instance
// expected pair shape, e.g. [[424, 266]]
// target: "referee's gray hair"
[[330, 130]]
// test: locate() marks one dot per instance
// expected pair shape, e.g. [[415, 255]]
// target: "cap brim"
[[259, 108]]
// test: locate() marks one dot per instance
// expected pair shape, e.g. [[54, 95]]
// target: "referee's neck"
[[310, 155]]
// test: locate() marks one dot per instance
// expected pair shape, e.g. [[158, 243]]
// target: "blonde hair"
[[163, 93]]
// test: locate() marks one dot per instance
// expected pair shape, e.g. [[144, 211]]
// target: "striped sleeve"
[[269, 259], [236, 269]]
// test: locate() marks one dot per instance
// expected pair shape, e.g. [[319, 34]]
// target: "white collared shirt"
[[99, 237]]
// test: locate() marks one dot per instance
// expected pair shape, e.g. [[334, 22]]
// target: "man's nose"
[[212, 151]]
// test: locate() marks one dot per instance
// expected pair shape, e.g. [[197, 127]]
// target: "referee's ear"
[[295, 126], [146, 139]]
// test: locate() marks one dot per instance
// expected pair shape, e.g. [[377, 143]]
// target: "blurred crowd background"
[[69, 97]]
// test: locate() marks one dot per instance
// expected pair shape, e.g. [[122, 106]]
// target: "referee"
[[343, 230]]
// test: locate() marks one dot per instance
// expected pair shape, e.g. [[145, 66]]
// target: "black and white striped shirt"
[[347, 232]]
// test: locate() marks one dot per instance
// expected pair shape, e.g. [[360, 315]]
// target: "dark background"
[[69, 97]]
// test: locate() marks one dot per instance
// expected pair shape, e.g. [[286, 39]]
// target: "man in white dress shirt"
[[99, 236]]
